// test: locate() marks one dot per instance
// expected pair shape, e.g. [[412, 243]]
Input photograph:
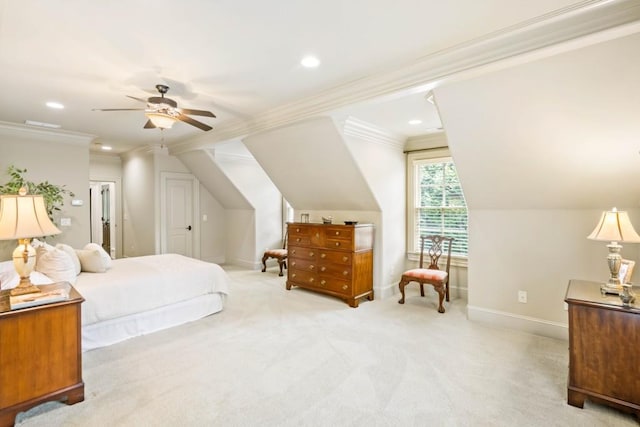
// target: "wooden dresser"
[[332, 259], [40, 355], [604, 342]]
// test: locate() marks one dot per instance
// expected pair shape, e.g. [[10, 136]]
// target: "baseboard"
[[521, 323]]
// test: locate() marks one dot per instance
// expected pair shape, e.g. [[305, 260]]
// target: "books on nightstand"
[[50, 294]]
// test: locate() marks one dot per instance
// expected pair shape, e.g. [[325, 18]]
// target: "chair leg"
[[280, 262], [447, 290], [401, 285], [421, 289], [264, 263], [441, 293]]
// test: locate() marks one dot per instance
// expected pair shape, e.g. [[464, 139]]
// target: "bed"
[[140, 295]]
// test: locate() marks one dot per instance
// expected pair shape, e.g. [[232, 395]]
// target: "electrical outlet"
[[65, 222], [522, 296]]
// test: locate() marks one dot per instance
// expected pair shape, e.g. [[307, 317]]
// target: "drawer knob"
[[293, 251], [323, 255], [345, 287], [337, 233], [323, 268], [311, 253], [323, 282], [337, 243], [345, 273], [311, 267], [311, 280], [293, 275], [344, 258], [293, 264], [317, 235], [297, 230], [298, 239]]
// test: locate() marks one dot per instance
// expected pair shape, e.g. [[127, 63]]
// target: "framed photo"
[[626, 270]]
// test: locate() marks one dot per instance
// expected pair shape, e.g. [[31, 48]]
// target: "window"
[[436, 202]]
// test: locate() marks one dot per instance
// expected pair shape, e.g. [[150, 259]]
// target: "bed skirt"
[[111, 331]]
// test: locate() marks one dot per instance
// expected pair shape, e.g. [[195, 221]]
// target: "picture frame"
[[626, 270]]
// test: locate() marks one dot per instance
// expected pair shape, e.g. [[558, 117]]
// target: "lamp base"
[[25, 287], [611, 288]]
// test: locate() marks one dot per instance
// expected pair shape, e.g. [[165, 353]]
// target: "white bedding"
[[141, 284]]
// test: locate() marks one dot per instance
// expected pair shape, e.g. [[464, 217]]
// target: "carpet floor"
[[274, 357]]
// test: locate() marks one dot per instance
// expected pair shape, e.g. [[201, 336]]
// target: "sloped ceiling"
[[569, 138], [312, 167]]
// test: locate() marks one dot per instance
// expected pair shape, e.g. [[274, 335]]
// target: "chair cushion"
[[276, 253], [426, 274]]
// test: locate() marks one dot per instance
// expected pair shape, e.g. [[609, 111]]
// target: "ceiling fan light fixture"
[[160, 120]]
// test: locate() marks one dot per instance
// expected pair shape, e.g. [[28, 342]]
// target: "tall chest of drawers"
[[332, 259]]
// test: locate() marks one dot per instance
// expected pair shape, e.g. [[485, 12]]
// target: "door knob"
[[189, 228]]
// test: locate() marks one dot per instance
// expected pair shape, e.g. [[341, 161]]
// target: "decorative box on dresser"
[[40, 355], [333, 259], [604, 343]]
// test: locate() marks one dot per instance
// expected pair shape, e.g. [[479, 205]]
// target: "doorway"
[[102, 208]]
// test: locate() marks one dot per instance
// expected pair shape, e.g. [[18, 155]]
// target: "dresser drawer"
[[335, 257], [338, 233], [332, 243], [303, 277], [302, 253], [335, 270], [299, 240], [333, 284], [302, 264]]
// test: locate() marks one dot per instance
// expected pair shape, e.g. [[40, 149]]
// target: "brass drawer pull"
[[293, 251], [311, 254], [293, 264], [311, 280], [323, 282], [345, 287], [344, 258], [337, 243], [323, 255], [345, 273], [293, 276], [297, 230], [337, 233], [311, 267], [323, 268]]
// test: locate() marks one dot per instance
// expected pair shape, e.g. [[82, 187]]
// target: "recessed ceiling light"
[[415, 122], [310, 62], [56, 105], [106, 148]]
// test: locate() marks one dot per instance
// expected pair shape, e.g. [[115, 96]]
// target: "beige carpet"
[[294, 358]]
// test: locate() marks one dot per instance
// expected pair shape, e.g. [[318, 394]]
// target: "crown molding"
[[366, 131], [427, 141], [563, 25], [46, 134]]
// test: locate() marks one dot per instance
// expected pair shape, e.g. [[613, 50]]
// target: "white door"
[[179, 216]]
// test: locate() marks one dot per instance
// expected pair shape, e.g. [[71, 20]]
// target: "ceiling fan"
[[164, 112]]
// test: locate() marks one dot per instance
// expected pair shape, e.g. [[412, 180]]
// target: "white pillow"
[[9, 277], [91, 260], [56, 264], [72, 253], [106, 259]]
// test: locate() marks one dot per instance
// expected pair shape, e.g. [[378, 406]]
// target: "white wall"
[[60, 157]]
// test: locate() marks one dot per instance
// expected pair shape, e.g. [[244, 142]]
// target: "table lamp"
[[614, 226], [23, 217]]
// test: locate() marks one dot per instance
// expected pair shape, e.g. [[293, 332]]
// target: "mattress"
[[142, 284]]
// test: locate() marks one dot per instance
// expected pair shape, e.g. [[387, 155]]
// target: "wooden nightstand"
[[604, 338], [40, 355]]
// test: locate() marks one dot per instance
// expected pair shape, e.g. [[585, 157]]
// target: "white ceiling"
[[235, 58]]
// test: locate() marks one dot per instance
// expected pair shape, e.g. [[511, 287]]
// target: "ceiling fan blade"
[[193, 122], [117, 109], [137, 99], [149, 125], [197, 112]]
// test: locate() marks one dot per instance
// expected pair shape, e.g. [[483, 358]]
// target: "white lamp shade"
[[615, 226], [24, 217], [161, 120]]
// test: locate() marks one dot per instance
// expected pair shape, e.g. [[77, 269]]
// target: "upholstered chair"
[[432, 275], [279, 254]]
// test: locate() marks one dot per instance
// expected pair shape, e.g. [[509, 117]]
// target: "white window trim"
[[436, 154]]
